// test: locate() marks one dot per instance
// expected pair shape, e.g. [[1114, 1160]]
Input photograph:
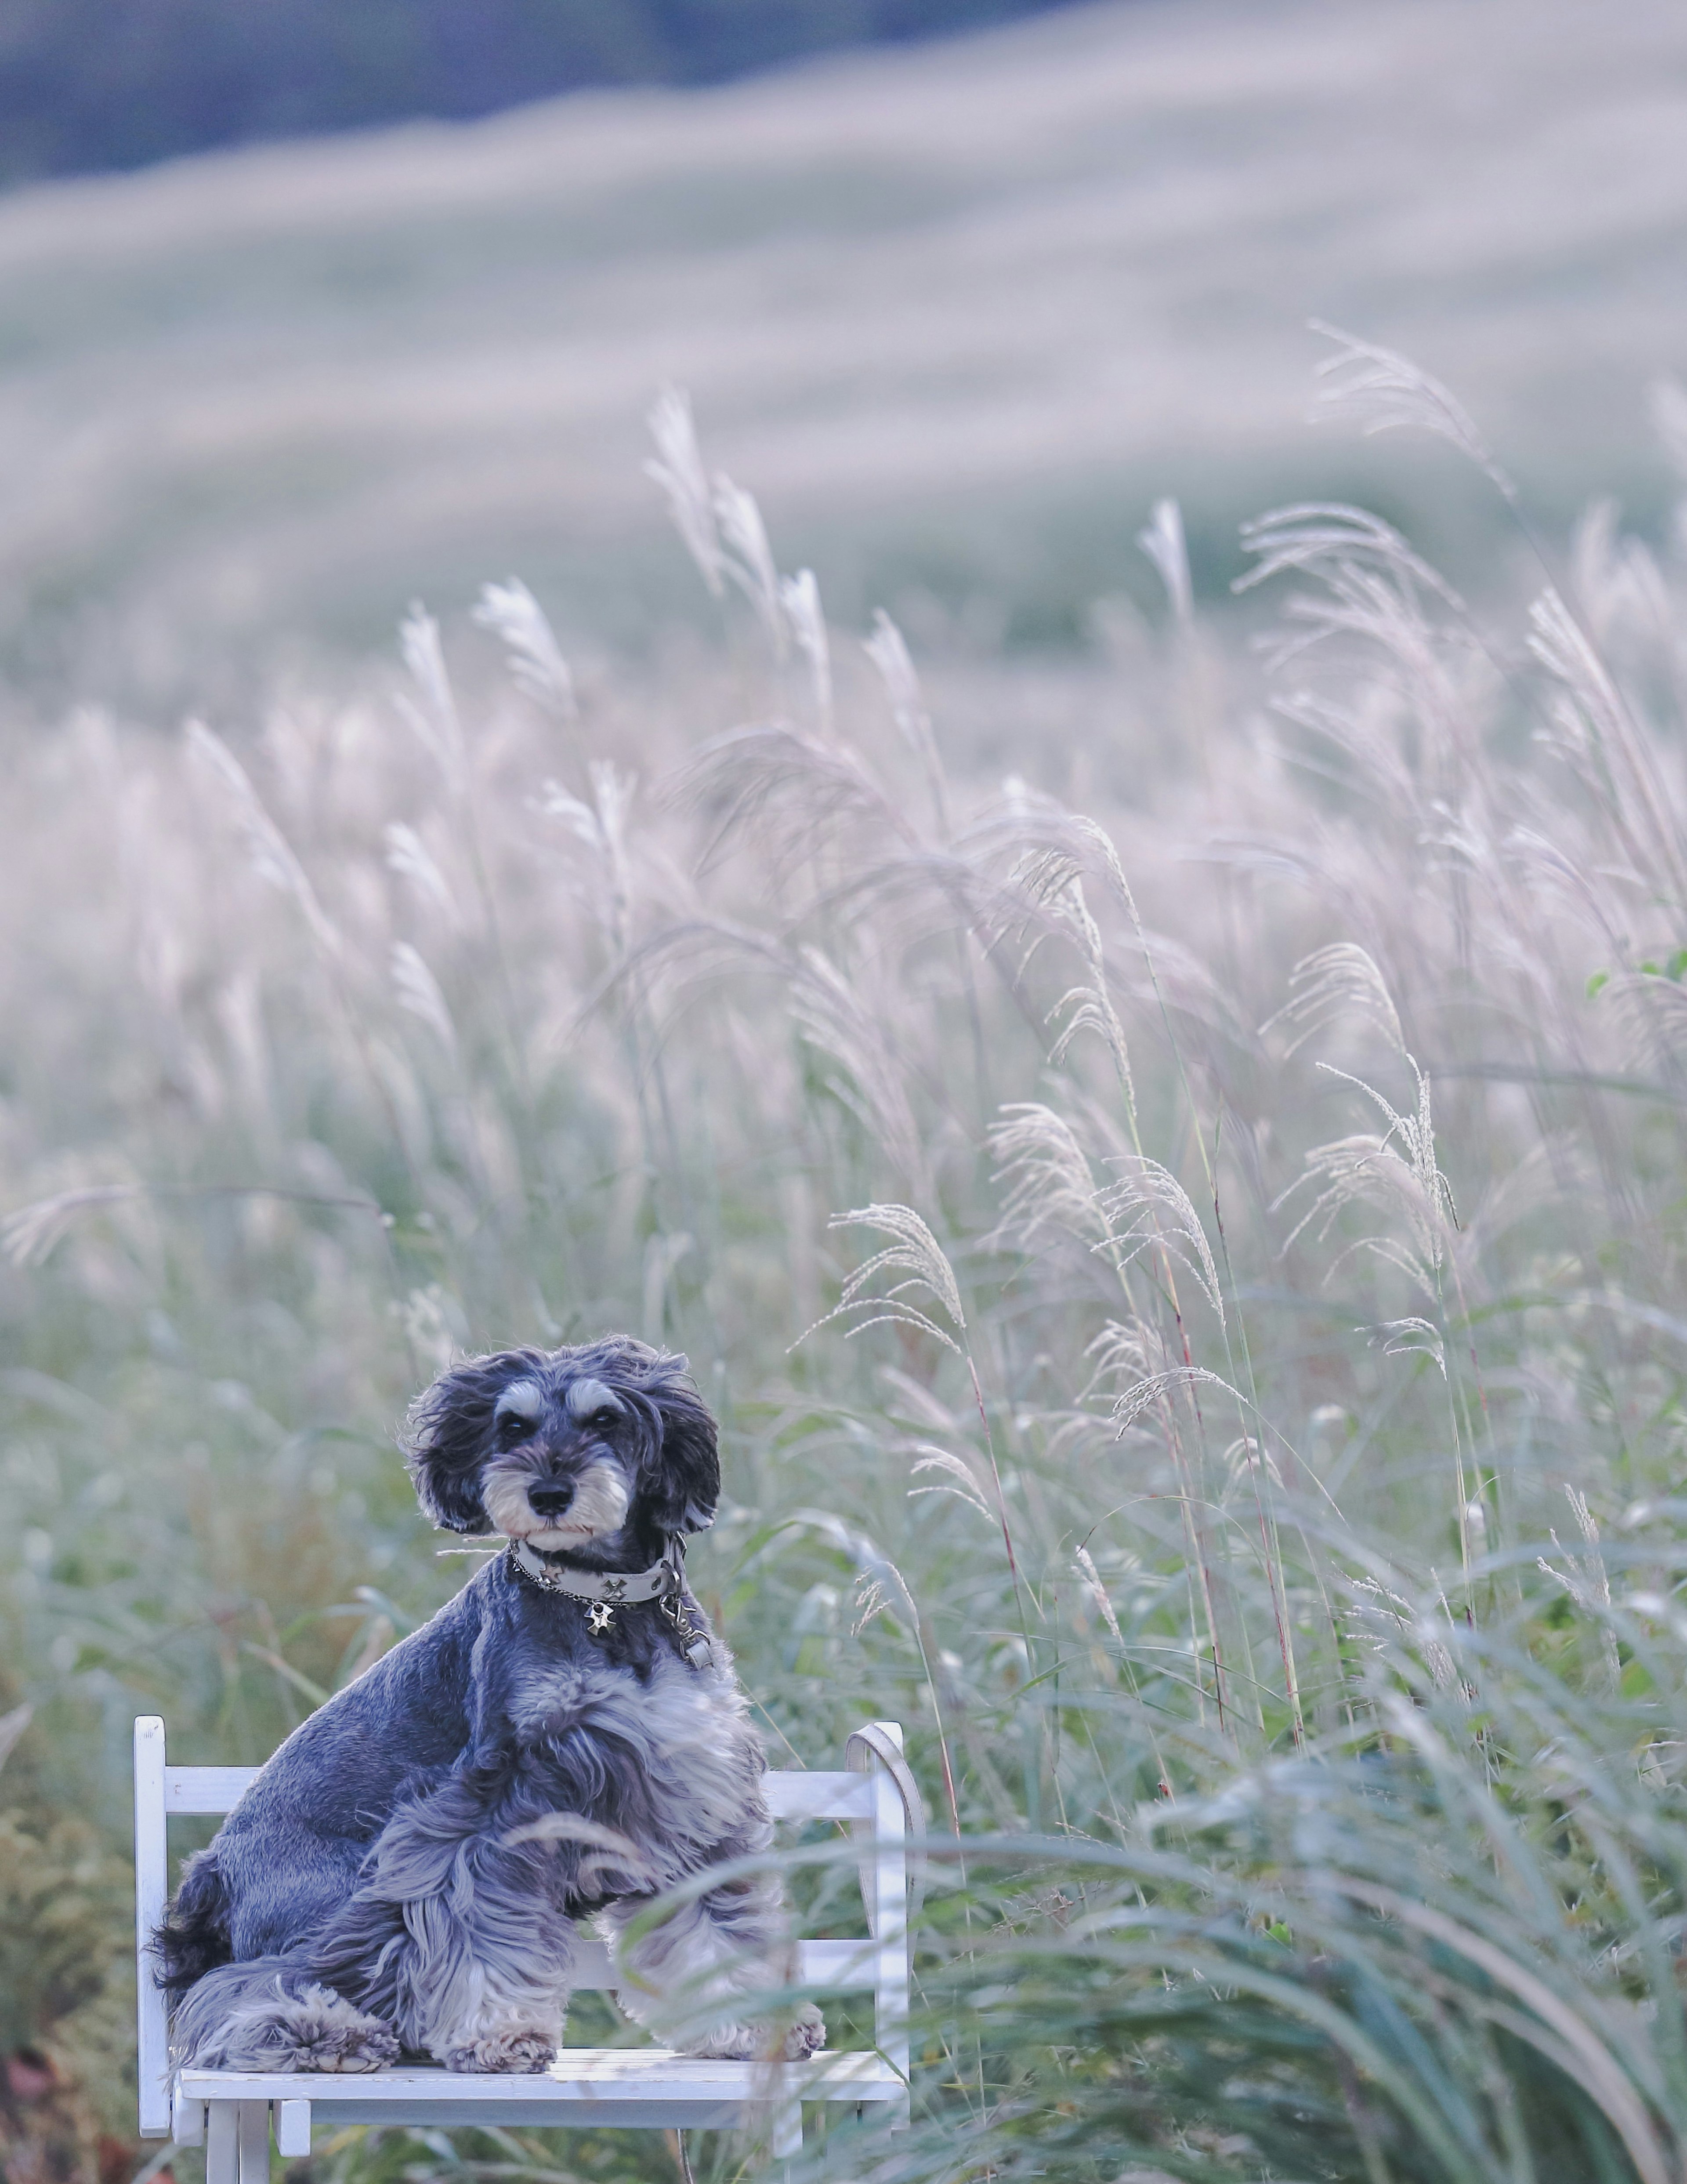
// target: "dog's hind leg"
[[272, 2014], [693, 1975]]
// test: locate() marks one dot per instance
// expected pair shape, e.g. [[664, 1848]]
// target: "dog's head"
[[606, 1449]]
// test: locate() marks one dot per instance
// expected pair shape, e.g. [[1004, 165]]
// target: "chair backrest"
[[869, 1799]]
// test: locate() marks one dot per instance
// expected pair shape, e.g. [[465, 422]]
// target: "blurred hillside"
[[957, 314], [85, 87]]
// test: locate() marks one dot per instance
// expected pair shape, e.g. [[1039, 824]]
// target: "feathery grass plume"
[[270, 853], [1586, 1580], [535, 663], [418, 992], [792, 795], [746, 559], [1331, 982], [432, 712], [1157, 1214], [887, 649], [1133, 1403], [408, 856], [1163, 542], [1048, 1177], [870, 1078], [1386, 393], [1395, 1172], [1084, 1563], [913, 1252], [677, 467], [602, 825], [1052, 880], [28, 1236], [799, 600], [1596, 731], [969, 1488], [1318, 537]]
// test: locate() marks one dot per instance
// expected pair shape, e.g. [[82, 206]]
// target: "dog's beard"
[[602, 1498]]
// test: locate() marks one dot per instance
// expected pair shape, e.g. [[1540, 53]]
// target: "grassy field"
[[1178, 1208], [961, 314]]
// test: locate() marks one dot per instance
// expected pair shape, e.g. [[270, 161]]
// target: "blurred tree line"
[[93, 84]]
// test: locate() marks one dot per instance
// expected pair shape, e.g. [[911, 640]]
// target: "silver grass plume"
[[28, 1236], [799, 599], [1315, 536], [1597, 732], [1164, 544], [535, 658], [677, 467], [418, 992], [271, 855], [748, 558], [1052, 880], [915, 1254], [1394, 1172], [409, 856], [602, 825], [969, 1487], [1147, 1394], [1386, 392], [1331, 982], [1047, 1173], [432, 713], [887, 649], [1147, 1209], [1090, 1578], [834, 1020], [1584, 1578]]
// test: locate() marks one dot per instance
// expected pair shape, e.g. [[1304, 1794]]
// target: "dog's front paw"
[[793, 2043], [806, 2035], [515, 2053], [319, 2030]]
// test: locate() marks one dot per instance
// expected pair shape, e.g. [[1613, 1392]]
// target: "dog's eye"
[[513, 1428], [601, 1421]]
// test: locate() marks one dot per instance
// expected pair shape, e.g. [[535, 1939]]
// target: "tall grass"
[[1188, 1285]]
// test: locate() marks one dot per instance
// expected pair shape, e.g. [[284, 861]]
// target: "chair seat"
[[585, 2085]]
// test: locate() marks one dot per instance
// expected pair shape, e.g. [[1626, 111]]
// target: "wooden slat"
[[293, 2130], [840, 1967], [152, 1886], [791, 1795], [204, 1789], [582, 2078]]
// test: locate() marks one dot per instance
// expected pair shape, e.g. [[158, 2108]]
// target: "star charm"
[[599, 1618]]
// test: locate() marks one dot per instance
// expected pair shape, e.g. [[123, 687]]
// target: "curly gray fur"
[[407, 1871]]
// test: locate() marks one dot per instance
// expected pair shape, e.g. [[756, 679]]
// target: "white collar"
[[662, 1580]]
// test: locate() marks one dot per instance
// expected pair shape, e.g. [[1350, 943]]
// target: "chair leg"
[[222, 2120], [253, 2143], [787, 2130]]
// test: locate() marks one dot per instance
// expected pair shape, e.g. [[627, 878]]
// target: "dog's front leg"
[[695, 1971], [456, 1935]]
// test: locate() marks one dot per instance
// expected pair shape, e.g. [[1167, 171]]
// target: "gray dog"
[[566, 1737]]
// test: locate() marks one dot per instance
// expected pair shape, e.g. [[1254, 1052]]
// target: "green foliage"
[[62, 1896]]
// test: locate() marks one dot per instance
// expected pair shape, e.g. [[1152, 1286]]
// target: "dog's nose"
[[551, 1501]]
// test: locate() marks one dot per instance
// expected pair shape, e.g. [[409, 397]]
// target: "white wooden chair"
[[230, 2112]]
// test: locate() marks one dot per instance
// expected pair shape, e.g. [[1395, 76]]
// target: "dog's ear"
[[448, 1436], [685, 1484]]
